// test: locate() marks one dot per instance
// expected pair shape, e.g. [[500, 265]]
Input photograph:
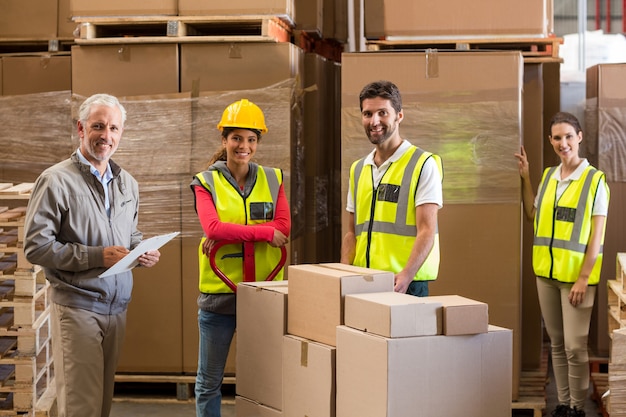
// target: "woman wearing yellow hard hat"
[[240, 205]]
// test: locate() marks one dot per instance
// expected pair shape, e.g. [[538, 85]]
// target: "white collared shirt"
[[104, 179], [601, 204], [429, 188]]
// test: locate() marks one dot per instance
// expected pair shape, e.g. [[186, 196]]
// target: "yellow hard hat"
[[243, 114]]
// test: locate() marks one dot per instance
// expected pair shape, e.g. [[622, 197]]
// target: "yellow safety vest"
[[384, 217], [563, 227], [233, 207]]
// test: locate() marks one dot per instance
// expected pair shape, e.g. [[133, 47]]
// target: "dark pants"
[[418, 288]]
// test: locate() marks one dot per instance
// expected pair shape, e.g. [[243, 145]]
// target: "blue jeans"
[[216, 334], [418, 288]]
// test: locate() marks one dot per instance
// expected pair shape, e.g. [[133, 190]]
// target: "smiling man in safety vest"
[[394, 196]]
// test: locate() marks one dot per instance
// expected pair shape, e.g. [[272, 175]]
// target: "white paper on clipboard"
[[130, 261]]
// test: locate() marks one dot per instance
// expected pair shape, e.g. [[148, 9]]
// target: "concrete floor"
[[160, 403]]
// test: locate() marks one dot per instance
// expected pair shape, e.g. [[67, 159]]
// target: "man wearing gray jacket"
[[82, 219]]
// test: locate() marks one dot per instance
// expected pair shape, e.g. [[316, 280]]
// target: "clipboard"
[[131, 260]]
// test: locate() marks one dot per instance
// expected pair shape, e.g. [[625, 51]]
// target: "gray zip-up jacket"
[[67, 227]]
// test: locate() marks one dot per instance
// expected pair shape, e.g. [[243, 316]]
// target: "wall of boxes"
[[476, 85]]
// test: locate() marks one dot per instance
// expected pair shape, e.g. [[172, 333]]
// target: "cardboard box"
[[65, 25], [309, 16], [125, 70], [153, 333], [123, 8], [603, 145], [237, 66], [261, 324], [36, 74], [28, 19], [316, 298], [393, 314], [309, 367], [245, 407], [462, 315], [236, 7], [467, 376], [452, 18]]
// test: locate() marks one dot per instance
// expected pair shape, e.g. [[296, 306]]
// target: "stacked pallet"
[[617, 296], [617, 332], [26, 367]]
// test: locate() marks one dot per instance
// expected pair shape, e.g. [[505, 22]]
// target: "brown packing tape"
[[234, 51], [432, 63], [304, 353], [44, 61], [123, 54]]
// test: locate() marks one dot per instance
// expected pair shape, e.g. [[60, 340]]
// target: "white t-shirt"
[[429, 188], [601, 205]]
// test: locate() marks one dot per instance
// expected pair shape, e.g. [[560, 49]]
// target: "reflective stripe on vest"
[[232, 207], [563, 227], [385, 228]]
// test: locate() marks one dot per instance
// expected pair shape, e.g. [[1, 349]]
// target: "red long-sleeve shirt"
[[215, 229]]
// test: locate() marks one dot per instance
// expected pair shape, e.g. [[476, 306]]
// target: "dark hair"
[[384, 89], [564, 117], [220, 154]]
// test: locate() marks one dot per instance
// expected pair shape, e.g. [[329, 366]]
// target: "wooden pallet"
[[598, 368], [182, 29], [24, 379], [532, 49], [23, 311], [29, 340], [28, 46], [132, 387], [532, 389]]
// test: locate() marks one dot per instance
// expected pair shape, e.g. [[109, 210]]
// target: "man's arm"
[[348, 244], [426, 222]]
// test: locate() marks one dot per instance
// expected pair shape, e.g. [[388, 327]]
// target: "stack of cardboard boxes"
[[335, 340], [605, 147]]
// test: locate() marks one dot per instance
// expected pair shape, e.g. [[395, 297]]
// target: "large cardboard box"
[[261, 324], [481, 186], [123, 7], [467, 376], [245, 407], [237, 66], [322, 147], [452, 18], [462, 315], [309, 16], [125, 70], [393, 314], [65, 25], [603, 144], [309, 369], [236, 7], [28, 19], [36, 74], [316, 298], [154, 333]]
